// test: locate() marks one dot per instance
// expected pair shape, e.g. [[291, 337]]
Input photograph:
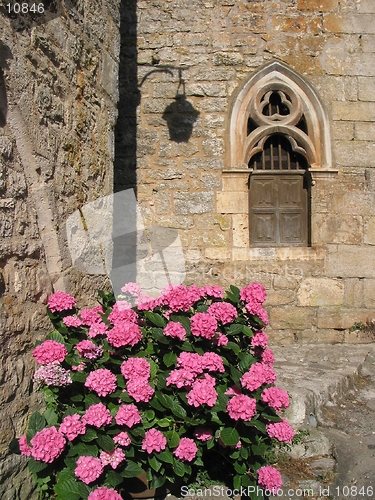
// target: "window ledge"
[[278, 253]]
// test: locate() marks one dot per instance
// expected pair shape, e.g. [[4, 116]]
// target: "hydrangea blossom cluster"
[[156, 384]]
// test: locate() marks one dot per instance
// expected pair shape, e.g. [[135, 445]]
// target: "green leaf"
[[149, 414], [157, 481], [165, 456], [132, 469], [76, 398], [154, 463], [84, 450], [234, 329], [229, 436], [173, 438], [155, 404], [72, 489], [51, 417], [165, 400], [235, 374], [155, 319], [178, 410], [164, 422], [106, 443], [247, 331], [91, 399], [246, 360], [158, 335], [113, 478], [221, 403], [37, 422], [234, 347], [79, 377], [179, 468], [55, 335], [258, 425], [169, 359], [36, 466], [240, 468], [14, 446]]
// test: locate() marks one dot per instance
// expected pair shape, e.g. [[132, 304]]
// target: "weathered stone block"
[[354, 292], [368, 43], [217, 253], [321, 292], [358, 111], [369, 230], [193, 203], [351, 261], [366, 87], [240, 230], [364, 131], [294, 318], [369, 293], [349, 23], [339, 318], [317, 5], [232, 202], [227, 59], [330, 228]]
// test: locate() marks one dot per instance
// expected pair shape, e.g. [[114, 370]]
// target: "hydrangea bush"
[[168, 386]]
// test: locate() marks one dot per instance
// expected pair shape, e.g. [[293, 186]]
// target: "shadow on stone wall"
[[5, 54], [125, 176]]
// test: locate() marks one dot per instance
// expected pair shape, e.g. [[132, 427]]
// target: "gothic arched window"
[[279, 134]]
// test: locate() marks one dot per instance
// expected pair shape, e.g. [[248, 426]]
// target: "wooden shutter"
[[278, 210]]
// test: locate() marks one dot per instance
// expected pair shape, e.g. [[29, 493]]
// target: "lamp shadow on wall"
[[180, 116]]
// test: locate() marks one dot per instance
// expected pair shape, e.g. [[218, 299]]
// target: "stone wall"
[[58, 97], [193, 58]]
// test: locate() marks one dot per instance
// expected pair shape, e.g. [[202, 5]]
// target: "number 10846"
[[25, 8]]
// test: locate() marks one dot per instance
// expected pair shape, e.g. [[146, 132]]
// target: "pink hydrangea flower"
[[268, 357], [61, 301], [97, 415], [72, 426], [202, 392], [260, 339], [147, 303], [87, 349], [91, 316], [139, 389], [132, 288], [102, 381], [203, 433], [241, 407], [255, 292], [79, 368], [88, 469], [136, 368], [181, 378], [128, 415], [50, 351], [276, 398], [257, 310], [180, 298], [114, 458], [221, 340], [24, 447], [124, 333], [99, 328], [203, 325], [223, 312], [154, 440], [53, 374], [72, 321], [259, 374], [212, 362], [47, 444], [213, 291], [104, 493], [122, 311], [186, 450], [282, 431], [269, 478], [122, 439], [191, 361], [175, 330]]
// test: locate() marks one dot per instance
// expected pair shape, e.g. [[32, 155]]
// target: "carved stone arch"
[[300, 101]]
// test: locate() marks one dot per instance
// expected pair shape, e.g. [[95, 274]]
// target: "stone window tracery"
[[278, 142]]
